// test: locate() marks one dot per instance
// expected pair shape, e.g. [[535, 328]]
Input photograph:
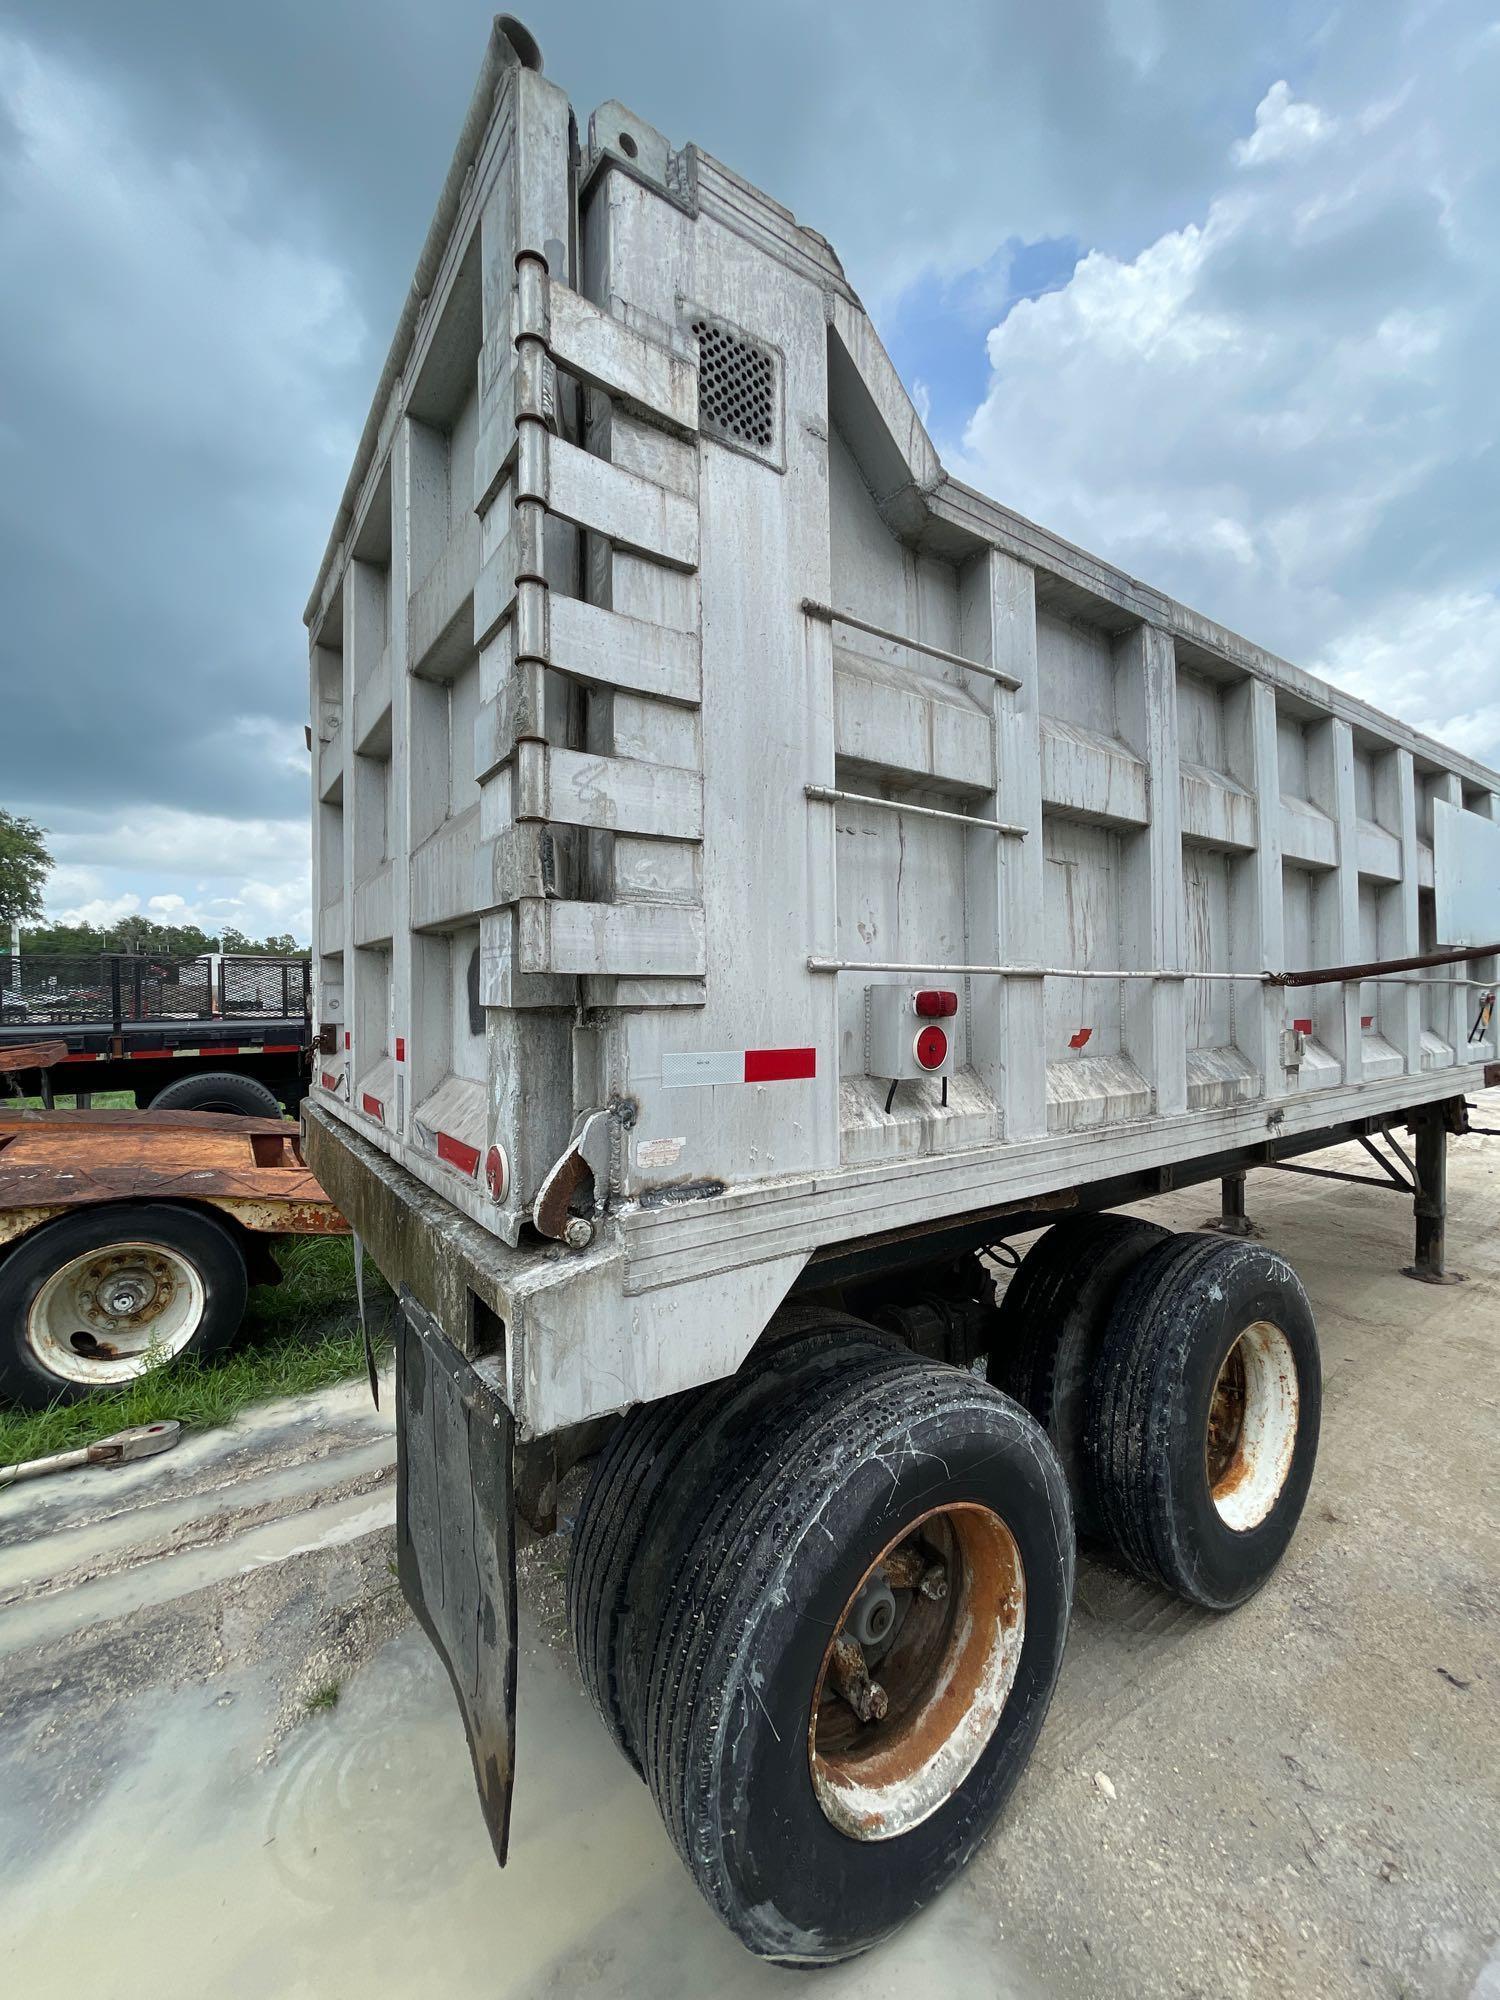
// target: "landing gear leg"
[[1431, 1200], [1232, 1219]]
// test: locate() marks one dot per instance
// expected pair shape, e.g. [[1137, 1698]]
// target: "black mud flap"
[[456, 1541]]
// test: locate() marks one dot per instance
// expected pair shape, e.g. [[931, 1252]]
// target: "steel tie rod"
[[830, 616], [830, 795]]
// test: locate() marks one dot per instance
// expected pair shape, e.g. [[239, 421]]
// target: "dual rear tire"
[[821, 1606], [1179, 1380], [822, 1610]]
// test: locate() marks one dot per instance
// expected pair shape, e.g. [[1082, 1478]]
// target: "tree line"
[[142, 938], [24, 862]]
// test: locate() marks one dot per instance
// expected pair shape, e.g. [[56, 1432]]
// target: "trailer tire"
[[810, 1855], [1050, 1327], [180, 1278], [645, 1460], [1202, 1430], [219, 1090]]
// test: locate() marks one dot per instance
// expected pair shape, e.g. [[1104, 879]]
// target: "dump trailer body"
[[747, 860], [678, 720]]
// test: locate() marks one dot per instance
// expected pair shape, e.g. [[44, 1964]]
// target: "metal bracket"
[[1394, 1183], [585, 1160]]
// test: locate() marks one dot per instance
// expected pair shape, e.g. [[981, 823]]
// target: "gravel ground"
[[228, 1763]]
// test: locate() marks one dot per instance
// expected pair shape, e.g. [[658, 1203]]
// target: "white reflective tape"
[[703, 1066]]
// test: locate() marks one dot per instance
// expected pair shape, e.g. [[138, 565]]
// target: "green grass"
[[323, 1698], [104, 1100], [300, 1335]]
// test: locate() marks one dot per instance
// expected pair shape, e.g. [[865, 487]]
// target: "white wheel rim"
[[1252, 1426], [115, 1313]]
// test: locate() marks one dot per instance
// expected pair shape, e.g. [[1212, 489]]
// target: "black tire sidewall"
[[805, 1350], [1223, 1565], [1063, 1387], [219, 1090], [789, 1882], [208, 1246], [1054, 1314]]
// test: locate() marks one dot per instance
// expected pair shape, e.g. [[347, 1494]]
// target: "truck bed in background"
[[139, 1022]]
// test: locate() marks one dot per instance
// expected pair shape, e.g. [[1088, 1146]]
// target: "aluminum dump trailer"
[[757, 874]]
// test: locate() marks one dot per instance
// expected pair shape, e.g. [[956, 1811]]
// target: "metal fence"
[[112, 988]]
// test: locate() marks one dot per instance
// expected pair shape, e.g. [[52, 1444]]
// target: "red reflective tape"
[[1367, 1020], [87, 1055], [138, 1055], [330, 1082], [346, 1038], [276, 1049], [373, 1106], [401, 1048], [1303, 1027], [779, 1065], [457, 1154], [1077, 1041]]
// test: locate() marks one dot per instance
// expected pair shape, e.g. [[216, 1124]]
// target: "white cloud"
[[100, 912], [1282, 410], [163, 837], [1432, 660], [1283, 128], [183, 868]]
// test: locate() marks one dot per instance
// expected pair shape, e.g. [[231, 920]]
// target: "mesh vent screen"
[[736, 387]]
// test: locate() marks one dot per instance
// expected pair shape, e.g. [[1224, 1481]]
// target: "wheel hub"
[[110, 1314]]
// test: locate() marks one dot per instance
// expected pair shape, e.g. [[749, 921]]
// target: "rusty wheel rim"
[[1251, 1434], [946, 1670], [114, 1313]]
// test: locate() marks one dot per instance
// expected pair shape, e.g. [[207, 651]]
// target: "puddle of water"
[[357, 1865]]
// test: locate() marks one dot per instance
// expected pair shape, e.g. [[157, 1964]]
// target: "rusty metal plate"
[[456, 1541], [251, 1168], [32, 1055]]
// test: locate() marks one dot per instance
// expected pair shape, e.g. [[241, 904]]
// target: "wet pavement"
[[1303, 1798], [356, 1864]]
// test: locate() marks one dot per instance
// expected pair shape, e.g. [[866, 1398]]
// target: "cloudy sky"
[[1212, 289]]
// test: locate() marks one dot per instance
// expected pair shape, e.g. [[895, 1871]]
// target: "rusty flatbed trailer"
[[128, 1238]]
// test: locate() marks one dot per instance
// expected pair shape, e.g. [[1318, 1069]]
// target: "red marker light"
[[931, 1047], [933, 1004]]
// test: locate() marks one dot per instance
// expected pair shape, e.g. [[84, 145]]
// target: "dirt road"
[[229, 1765]]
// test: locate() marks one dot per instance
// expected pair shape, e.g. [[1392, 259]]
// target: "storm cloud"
[[1211, 290]]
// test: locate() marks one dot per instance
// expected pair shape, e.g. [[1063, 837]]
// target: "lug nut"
[[934, 1582], [851, 1679]]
